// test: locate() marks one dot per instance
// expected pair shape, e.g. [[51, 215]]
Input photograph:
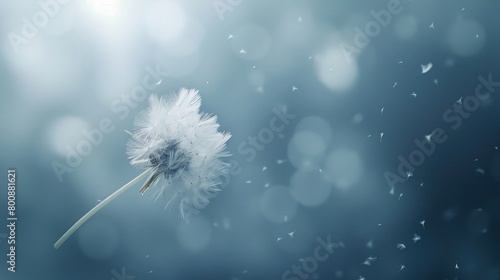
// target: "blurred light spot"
[[61, 23], [300, 156], [343, 168], [309, 143], [98, 239], [276, 203], [449, 214], [317, 125], [195, 235], [405, 26], [106, 7], [309, 187], [466, 37], [65, 131], [45, 71], [257, 78], [117, 78], [334, 69], [253, 39], [165, 21], [189, 42], [358, 118], [449, 62], [307, 146]]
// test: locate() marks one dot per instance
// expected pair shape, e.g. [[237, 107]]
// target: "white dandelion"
[[181, 150]]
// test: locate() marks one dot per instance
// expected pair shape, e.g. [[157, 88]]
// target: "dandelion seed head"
[[183, 148]]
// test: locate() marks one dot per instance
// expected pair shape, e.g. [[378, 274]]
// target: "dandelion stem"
[[149, 181], [98, 207]]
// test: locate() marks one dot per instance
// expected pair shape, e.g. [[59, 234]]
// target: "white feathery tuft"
[[183, 148]]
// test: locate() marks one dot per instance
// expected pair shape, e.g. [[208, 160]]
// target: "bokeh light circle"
[[307, 146], [309, 143], [466, 38], [317, 125], [336, 69], [309, 188], [65, 132], [343, 168]]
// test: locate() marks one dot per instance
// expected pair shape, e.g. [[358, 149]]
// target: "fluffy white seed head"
[[184, 149]]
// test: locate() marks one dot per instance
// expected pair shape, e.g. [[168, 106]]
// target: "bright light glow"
[[106, 7], [44, 70], [165, 21], [65, 132], [335, 71]]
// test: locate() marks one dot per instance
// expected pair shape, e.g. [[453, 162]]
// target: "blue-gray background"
[[322, 175]]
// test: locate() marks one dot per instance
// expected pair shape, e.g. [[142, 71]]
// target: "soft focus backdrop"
[[360, 82]]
